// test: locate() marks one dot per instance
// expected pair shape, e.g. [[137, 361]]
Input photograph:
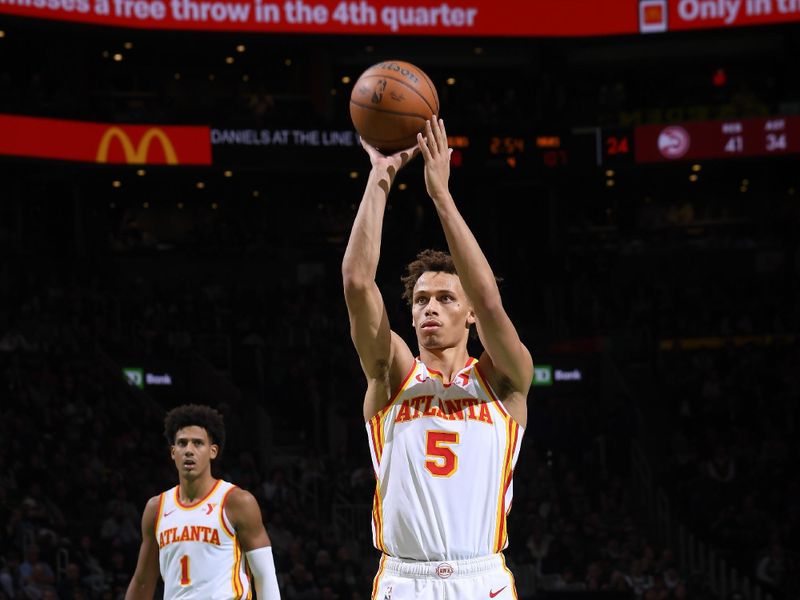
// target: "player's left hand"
[[436, 153]]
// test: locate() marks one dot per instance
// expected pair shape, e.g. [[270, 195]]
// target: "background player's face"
[[440, 310], [193, 451]]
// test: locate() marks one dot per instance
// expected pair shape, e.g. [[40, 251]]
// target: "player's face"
[[440, 310], [193, 451]]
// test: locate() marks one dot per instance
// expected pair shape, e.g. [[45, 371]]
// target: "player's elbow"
[[355, 281]]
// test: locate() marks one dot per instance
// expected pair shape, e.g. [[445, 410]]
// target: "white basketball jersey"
[[444, 456], [198, 551]]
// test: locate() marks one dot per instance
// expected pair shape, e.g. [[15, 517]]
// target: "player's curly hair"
[[427, 260], [200, 415]]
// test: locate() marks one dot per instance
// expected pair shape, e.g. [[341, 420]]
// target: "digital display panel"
[[764, 136]]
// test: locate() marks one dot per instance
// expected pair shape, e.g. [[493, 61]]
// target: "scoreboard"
[[717, 139]]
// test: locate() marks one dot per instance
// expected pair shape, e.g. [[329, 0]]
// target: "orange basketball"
[[390, 103]]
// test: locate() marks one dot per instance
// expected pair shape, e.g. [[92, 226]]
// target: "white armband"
[[263, 569]]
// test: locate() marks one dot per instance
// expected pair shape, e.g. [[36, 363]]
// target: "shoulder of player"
[[153, 503], [150, 513], [241, 505]]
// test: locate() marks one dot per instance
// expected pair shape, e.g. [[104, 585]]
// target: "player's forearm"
[[473, 269], [138, 590], [265, 579], [360, 263]]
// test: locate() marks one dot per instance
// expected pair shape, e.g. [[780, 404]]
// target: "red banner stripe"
[[105, 142], [416, 17]]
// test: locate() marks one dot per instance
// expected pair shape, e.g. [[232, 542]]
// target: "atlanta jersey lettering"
[[443, 455], [199, 554]]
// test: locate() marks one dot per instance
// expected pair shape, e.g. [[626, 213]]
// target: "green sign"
[[542, 375], [134, 375]]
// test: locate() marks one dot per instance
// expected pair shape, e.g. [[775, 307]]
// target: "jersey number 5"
[[441, 461]]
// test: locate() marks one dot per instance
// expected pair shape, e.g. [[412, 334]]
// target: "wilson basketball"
[[390, 103]]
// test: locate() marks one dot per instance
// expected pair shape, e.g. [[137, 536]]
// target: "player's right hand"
[[391, 163]]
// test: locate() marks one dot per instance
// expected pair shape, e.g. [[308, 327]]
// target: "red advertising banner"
[[417, 17], [104, 142], [656, 16], [402, 17], [717, 139]]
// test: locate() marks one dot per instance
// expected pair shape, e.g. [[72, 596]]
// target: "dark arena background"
[[177, 184]]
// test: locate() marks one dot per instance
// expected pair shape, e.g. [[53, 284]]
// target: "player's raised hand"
[[391, 163], [436, 153]]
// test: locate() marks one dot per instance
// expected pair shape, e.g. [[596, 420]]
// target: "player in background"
[[444, 429], [198, 534]]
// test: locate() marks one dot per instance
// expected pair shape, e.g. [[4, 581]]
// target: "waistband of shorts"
[[443, 569]]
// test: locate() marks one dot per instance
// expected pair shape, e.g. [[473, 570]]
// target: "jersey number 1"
[[185, 579], [441, 461]]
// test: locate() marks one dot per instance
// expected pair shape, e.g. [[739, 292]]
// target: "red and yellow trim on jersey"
[[507, 472], [223, 524], [376, 438], [376, 582], [397, 393], [183, 506], [161, 498], [377, 517], [440, 375], [236, 574], [505, 483], [376, 441], [249, 575]]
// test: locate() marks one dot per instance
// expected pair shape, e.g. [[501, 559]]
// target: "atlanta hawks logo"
[[210, 507]]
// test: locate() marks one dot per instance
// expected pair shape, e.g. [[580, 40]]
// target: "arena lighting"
[[451, 81], [240, 48], [696, 168], [145, 204], [693, 177], [180, 205], [200, 185], [2, 33], [609, 172], [477, 50], [346, 79], [211, 77], [402, 186], [229, 60], [177, 76], [609, 183], [228, 173], [127, 45], [116, 183], [256, 193], [719, 78], [214, 206], [353, 174], [141, 172], [245, 77], [287, 62], [118, 57]]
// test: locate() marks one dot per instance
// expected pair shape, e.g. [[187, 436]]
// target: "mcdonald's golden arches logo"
[[136, 155]]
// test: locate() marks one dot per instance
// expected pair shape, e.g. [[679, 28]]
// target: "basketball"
[[390, 103]]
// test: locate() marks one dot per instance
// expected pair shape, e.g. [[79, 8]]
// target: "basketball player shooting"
[[198, 534], [444, 429]]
